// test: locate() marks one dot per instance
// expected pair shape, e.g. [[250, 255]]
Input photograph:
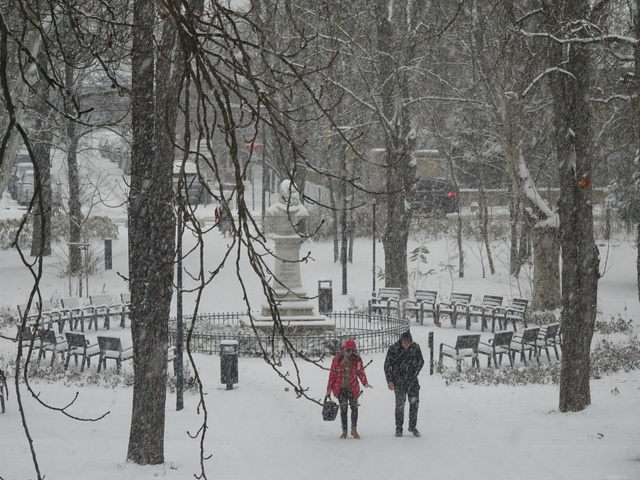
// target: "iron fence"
[[372, 333]]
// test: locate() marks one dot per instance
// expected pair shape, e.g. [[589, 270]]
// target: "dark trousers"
[[414, 401], [345, 399]]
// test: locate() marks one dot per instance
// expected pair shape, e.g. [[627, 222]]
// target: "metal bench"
[[4, 390], [485, 310], [497, 347], [111, 349], [458, 303], [466, 347], [104, 307], [125, 299], [386, 299], [525, 342], [50, 342], [549, 337], [424, 301], [515, 312], [79, 346], [74, 313]]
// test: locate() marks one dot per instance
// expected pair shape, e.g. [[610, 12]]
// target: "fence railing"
[[372, 333]]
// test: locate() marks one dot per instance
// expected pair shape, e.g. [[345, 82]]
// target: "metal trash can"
[[325, 296], [229, 363]]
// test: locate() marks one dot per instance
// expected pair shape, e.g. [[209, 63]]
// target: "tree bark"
[[41, 240], [580, 260], [546, 272], [151, 251]]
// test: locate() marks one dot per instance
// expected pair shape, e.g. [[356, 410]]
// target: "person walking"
[[225, 222], [347, 371], [401, 368]]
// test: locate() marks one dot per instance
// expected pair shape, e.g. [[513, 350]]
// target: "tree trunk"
[[579, 251], [636, 109], [151, 251], [638, 258], [399, 141], [546, 272], [41, 240], [514, 220], [75, 208]]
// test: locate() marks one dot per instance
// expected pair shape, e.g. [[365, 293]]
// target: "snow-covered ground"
[[260, 430]]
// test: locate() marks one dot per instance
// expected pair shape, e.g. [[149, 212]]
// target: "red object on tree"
[[584, 182]]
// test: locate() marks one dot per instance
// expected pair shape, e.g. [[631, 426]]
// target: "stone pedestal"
[[294, 306]]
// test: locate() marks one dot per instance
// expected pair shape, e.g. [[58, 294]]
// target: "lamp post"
[[374, 247], [343, 250]]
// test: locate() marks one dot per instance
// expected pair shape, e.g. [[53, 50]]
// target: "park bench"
[[30, 316], [525, 342], [458, 303], [104, 307], [484, 311], [466, 347], [50, 342], [79, 346], [125, 299], [549, 337], [424, 301], [514, 312], [111, 349], [4, 390], [51, 315], [26, 337], [497, 347], [386, 299], [43, 317], [74, 313]]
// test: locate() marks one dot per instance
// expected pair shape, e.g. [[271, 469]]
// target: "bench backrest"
[[125, 298], [70, 302], [429, 296], [48, 337], [530, 335], [46, 305], [76, 340], [550, 331], [389, 293], [502, 339], [468, 341], [24, 335], [519, 303], [99, 300], [492, 300], [110, 343], [457, 297]]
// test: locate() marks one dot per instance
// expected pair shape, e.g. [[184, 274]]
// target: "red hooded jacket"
[[357, 372]]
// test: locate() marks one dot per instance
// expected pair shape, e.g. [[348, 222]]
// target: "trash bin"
[[325, 296], [229, 363]]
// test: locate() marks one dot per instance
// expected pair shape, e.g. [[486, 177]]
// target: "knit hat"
[[350, 344], [406, 337]]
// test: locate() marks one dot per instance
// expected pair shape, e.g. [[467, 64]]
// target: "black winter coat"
[[402, 366]]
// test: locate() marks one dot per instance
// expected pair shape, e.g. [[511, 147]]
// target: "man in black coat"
[[401, 368]]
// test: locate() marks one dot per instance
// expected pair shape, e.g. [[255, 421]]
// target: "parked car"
[[435, 197], [24, 187]]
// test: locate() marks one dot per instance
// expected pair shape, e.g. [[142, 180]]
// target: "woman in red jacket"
[[347, 370]]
